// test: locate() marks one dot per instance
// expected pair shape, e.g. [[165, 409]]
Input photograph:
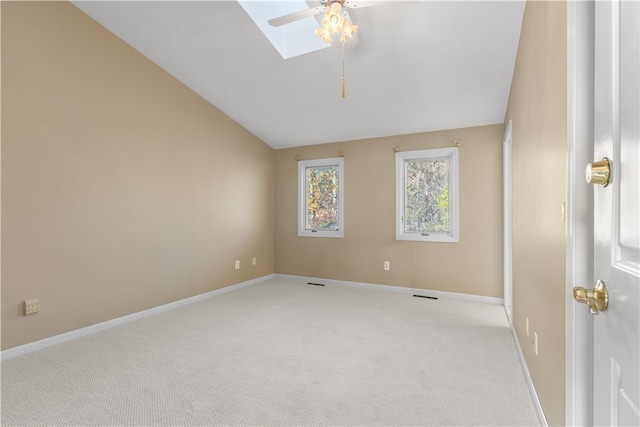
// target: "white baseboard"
[[532, 388], [72, 335], [417, 291]]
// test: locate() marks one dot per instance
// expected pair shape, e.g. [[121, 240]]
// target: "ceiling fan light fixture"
[[335, 22], [332, 23], [348, 30], [324, 32]]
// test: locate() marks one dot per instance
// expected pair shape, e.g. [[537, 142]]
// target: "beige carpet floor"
[[282, 352]]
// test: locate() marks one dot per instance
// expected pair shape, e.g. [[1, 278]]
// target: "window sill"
[[329, 234], [436, 238]]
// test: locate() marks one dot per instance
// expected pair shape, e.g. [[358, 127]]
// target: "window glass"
[[320, 198], [426, 204], [427, 189]]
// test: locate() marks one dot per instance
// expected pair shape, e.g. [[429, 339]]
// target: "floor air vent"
[[315, 284], [424, 296]]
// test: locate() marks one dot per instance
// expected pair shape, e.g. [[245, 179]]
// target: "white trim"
[[454, 231], [302, 197], [507, 219], [527, 375], [417, 291], [579, 212], [78, 333]]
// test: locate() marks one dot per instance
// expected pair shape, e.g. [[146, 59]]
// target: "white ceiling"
[[419, 66]]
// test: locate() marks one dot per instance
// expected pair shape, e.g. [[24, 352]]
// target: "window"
[[427, 195], [320, 198]]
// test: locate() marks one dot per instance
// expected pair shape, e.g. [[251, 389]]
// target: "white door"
[[616, 341]]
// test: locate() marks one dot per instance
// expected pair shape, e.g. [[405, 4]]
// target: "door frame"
[[579, 211], [507, 220]]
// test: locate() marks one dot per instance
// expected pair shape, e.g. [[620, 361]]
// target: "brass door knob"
[[598, 172], [597, 298]]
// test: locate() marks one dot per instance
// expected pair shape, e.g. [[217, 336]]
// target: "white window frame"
[[401, 159], [302, 197]]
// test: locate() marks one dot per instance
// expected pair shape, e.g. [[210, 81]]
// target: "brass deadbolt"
[[598, 172]]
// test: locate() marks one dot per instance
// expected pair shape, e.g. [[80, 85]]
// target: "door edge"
[[579, 212]]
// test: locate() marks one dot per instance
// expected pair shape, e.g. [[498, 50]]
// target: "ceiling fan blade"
[[359, 4], [286, 19]]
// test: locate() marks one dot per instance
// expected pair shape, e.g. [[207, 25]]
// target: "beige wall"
[[472, 266], [121, 188], [537, 107]]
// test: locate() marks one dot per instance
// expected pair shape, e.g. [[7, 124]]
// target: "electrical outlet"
[[535, 343], [254, 261], [526, 325], [31, 306], [237, 264], [386, 265]]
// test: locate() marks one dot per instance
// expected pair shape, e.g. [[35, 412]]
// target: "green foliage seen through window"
[[427, 196], [322, 198]]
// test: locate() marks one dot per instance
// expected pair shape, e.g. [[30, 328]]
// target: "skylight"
[[293, 39]]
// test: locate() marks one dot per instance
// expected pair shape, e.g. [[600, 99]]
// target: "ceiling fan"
[[336, 18]]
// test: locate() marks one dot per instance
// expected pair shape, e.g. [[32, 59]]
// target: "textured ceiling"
[[418, 66]]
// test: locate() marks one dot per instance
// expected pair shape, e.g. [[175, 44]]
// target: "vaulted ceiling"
[[418, 66]]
